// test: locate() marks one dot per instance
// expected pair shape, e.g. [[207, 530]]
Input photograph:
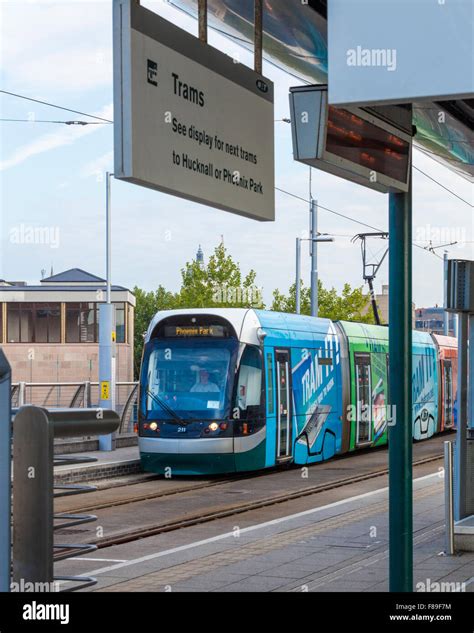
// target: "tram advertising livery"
[[229, 390]]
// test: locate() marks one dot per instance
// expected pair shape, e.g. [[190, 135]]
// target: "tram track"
[[193, 486], [200, 517]]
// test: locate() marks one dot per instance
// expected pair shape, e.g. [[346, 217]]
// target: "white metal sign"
[[188, 120]]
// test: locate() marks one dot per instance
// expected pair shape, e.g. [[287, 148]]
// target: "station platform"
[[118, 463], [339, 545]]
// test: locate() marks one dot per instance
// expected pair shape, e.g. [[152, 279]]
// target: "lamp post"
[[107, 328]]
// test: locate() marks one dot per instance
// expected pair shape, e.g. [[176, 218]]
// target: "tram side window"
[[249, 386], [271, 395], [448, 392]]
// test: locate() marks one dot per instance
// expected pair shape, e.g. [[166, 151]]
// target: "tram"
[[230, 390]]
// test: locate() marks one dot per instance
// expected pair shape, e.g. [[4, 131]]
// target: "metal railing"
[[34, 520], [77, 394]]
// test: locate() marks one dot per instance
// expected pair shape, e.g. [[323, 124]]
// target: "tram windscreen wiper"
[[159, 401]]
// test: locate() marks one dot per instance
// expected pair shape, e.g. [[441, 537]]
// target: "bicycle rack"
[[34, 520]]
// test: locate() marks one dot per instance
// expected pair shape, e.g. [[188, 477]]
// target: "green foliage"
[[351, 305], [219, 284]]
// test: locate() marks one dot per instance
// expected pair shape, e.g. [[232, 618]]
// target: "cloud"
[[98, 165], [64, 136], [64, 45]]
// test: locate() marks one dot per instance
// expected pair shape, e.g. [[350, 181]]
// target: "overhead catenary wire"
[[53, 105], [348, 217], [443, 186], [49, 121]]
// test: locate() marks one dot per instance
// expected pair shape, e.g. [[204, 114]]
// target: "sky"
[[52, 177]]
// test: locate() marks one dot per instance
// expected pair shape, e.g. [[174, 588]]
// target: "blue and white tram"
[[229, 390]]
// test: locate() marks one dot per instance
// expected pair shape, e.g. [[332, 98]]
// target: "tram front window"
[[188, 378]]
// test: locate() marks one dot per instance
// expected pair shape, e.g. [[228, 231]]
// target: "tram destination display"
[[370, 147], [217, 331], [188, 119]]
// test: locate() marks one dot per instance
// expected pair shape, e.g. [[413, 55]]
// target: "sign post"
[[400, 435]]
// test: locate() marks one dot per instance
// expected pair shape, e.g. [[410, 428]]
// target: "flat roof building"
[[50, 331]]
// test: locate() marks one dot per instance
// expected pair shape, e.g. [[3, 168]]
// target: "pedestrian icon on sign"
[[152, 72]]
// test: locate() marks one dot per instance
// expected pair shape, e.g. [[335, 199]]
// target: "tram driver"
[[204, 385]]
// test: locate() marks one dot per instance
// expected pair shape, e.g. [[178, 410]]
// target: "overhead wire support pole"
[[202, 9], [400, 434], [258, 36], [314, 257], [445, 287]]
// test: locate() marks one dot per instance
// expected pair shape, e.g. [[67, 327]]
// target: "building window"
[[81, 323], [20, 322], [120, 322], [33, 323], [47, 323]]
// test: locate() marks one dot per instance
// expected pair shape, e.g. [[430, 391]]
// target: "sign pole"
[[460, 451], [400, 435], [258, 35], [202, 10]]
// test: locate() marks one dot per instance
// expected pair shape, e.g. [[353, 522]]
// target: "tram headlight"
[[153, 426], [213, 426]]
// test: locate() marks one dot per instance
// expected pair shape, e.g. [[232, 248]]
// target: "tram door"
[[363, 398], [283, 417]]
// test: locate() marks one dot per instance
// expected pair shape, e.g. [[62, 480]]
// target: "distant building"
[[200, 257], [432, 320], [382, 306], [50, 332]]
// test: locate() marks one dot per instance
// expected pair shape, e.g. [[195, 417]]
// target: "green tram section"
[[367, 398]]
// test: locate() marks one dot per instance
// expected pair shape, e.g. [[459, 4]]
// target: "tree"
[[219, 284], [350, 305], [147, 305]]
